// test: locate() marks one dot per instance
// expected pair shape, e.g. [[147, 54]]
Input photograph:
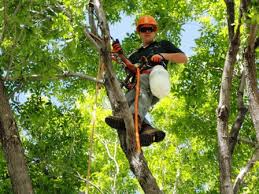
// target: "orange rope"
[[136, 111]]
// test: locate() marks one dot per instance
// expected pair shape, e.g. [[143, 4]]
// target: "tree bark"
[[230, 18], [12, 147], [253, 94], [245, 170], [224, 103], [251, 80], [222, 122], [242, 110]]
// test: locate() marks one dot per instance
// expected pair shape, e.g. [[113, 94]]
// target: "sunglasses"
[[146, 29]]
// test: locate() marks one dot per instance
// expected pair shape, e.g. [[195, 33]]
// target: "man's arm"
[[175, 57]]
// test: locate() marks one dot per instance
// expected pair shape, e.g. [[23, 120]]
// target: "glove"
[[116, 47], [157, 58]]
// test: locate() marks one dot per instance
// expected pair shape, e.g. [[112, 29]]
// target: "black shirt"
[[155, 47]]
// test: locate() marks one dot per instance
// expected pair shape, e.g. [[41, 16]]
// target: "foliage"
[[54, 116]]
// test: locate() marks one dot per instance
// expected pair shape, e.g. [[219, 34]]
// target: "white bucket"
[[159, 82]]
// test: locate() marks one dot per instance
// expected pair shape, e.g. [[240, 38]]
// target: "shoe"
[[115, 122], [149, 135]]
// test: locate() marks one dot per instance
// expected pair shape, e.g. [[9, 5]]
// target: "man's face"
[[147, 33]]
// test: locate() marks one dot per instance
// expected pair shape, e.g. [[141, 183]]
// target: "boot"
[[149, 135], [115, 122]]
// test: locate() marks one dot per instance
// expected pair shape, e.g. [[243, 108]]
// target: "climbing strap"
[[133, 69], [136, 117]]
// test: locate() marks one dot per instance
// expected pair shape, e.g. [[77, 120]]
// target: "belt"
[[147, 71]]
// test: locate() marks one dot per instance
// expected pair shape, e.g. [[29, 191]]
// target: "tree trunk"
[[223, 109], [12, 147], [251, 80], [245, 170], [242, 110], [253, 94], [222, 127], [136, 159]]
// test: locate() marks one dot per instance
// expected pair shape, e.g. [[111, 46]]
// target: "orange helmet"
[[146, 20]]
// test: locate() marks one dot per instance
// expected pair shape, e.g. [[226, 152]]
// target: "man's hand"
[[116, 47], [157, 58]]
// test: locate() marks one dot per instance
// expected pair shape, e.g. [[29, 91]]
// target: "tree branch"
[[65, 75], [89, 182], [12, 148], [91, 18], [242, 110], [224, 102], [17, 9], [113, 158], [4, 21], [178, 173], [93, 35], [251, 82], [88, 35], [246, 169], [251, 78], [230, 17], [246, 141]]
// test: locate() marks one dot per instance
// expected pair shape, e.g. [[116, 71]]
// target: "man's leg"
[[118, 122], [148, 134]]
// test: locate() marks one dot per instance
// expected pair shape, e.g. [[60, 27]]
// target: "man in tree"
[[157, 53]]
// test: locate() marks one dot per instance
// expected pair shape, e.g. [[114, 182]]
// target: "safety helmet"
[[146, 20]]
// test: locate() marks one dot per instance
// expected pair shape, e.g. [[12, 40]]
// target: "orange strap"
[[136, 111]]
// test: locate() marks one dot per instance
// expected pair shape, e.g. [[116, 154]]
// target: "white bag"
[[159, 81]]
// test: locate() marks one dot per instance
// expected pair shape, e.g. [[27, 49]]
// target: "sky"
[[189, 34]]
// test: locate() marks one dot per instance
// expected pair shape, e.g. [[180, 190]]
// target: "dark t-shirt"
[[155, 47]]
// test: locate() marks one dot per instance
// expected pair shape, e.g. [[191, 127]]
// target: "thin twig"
[[242, 110], [91, 18], [4, 22], [65, 75], [178, 173], [96, 37], [246, 169], [17, 9], [89, 182], [113, 158], [247, 141], [88, 35]]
